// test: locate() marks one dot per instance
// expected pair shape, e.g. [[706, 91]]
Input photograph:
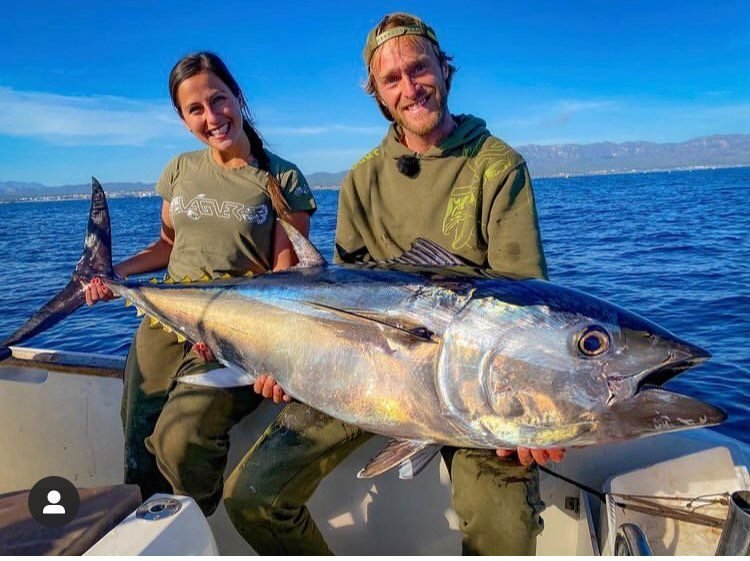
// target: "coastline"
[[562, 175], [78, 197], [598, 173]]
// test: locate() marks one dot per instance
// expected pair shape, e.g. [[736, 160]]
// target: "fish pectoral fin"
[[398, 452], [404, 326], [227, 377]]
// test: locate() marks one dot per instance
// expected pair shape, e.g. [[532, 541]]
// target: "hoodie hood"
[[468, 131]]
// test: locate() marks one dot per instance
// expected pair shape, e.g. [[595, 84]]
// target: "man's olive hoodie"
[[472, 196]]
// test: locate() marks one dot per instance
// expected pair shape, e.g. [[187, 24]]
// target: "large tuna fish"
[[448, 355]]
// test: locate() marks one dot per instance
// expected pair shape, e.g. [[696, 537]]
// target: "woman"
[[217, 218]]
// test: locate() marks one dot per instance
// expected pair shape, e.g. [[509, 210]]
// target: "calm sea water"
[[674, 247]]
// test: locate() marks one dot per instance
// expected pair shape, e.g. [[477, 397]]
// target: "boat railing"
[[87, 364], [631, 540]]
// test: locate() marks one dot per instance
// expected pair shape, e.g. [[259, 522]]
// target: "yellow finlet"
[[153, 280], [180, 338], [153, 322], [128, 303], [139, 312]]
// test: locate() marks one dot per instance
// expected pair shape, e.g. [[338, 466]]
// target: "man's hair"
[[420, 36]]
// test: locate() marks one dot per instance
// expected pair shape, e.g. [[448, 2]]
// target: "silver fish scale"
[[501, 370]]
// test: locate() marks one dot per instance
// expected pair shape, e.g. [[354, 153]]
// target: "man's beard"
[[426, 127]]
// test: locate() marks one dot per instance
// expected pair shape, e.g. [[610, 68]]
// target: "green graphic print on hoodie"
[[472, 196]]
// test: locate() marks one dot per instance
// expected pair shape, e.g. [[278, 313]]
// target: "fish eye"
[[593, 341]]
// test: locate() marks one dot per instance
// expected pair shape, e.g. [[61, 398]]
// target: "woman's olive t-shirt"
[[223, 218]]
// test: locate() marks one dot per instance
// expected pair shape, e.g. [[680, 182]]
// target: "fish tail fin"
[[96, 260]]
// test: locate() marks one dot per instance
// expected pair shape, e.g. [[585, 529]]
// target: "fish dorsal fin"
[[395, 453], [412, 467], [406, 327], [427, 253], [307, 254]]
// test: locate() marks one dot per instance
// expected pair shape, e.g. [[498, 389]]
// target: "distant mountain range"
[[609, 157], [556, 160], [544, 161]]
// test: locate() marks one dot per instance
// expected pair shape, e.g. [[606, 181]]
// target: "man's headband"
[[374, 41]]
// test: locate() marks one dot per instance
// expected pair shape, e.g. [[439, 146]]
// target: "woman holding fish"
[[217, 219]]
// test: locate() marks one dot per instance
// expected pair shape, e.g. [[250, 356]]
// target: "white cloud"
[[560, 112], [567, 109], [332, 160], [623, 119], [85, 120], [737, 112], [117, 121], [335, 153], [323, 129]]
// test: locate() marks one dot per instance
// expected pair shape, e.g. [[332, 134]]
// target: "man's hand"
[[528, 456], [266, 386]]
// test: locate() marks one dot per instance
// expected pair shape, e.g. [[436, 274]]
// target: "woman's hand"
[[266, 386], [528, 456], [153, 258], [96, 290]]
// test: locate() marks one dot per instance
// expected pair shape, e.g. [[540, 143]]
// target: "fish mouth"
[[656, 411], [677, 361], [642, 407]]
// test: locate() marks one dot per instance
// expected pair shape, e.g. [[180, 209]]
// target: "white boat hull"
[[67, 424]]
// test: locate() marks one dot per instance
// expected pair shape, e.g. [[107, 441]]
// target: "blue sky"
[[83, 90]]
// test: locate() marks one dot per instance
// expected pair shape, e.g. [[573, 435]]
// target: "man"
[[435, 176]]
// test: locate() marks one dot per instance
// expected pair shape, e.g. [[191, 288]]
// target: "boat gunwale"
[[67, 362]]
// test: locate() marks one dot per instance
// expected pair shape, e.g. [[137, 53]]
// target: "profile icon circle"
[[54, 501]]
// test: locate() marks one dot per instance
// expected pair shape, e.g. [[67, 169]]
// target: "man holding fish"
[[447, 179]]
